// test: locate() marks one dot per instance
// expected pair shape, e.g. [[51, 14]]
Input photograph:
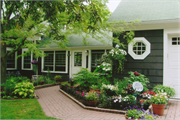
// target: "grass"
[[22, 109]]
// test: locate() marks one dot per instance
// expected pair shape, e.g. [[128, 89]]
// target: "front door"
[[78, 61], [174, 64]]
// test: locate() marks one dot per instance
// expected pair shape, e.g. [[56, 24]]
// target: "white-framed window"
[[175, 40], [11, 60], [140, 48], [55, 61], [26, 60]]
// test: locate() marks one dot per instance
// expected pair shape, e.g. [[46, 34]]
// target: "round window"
[[139, 48]]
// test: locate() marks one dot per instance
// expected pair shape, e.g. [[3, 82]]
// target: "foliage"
[[104, 68], [85, 79], [129, 98], [12, 74], [58, 77], [109, 89], [160, 88], [117, 99], [41, 78], [117, 54], [65, 84], [22, 109], [134, 114], [3, 85], [91, 96], [159, 99], [121, 85], [35, 68], [11, 83], [104, 101], [94, 87], [140, 78], [147, 94], [129, 89], [24, 89], [145, 101]]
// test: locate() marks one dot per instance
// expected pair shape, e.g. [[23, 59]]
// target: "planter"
[[158, 108], [41, 82], [91, 103], [97, 91], [126, 117], [58, 80]]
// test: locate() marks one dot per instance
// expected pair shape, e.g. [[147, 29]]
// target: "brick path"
[[55, 104]]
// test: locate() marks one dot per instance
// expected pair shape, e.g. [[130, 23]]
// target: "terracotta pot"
[[158, 108], [92, 103]]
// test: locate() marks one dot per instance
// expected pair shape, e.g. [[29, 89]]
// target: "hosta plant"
[[24, 89]]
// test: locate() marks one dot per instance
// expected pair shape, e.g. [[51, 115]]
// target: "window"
[[77, 58], [139, 49], [95, 58], [26, 60], [55, 61], [176, 41], [11, 61]]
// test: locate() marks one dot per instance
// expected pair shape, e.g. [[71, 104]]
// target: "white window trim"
[[145, 54], [42, 59], [9, 49], [22, 66]]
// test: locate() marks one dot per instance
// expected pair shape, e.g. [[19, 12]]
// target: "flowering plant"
[[145, 101], [58, 77], [118, 54], [91, 96], [160, 98], [129, 98], [35, 66], [117, 99], [104, 68], [139, 113], [34, 62], [109, 87], [148, 94]]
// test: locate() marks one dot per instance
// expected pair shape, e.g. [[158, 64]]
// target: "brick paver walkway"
[[55, 104]]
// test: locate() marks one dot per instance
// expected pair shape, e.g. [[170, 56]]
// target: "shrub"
[[85, 79], [24, 89], [134, 76], [91, 96], [121, 85]]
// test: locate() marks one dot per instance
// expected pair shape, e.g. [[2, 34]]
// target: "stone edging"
[[48, 85], [92, 108]]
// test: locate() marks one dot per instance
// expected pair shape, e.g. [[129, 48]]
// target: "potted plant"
[[159, 102], [58, 78], [160, 88], [3, 86], [91, 98], [94, 88], [41, 80]]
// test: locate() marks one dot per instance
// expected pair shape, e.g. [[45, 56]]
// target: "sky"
[[113, 4]]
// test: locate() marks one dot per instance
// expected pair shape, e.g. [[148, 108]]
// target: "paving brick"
[[55, 104]]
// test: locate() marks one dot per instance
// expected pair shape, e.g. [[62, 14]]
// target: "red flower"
[[136, 73]]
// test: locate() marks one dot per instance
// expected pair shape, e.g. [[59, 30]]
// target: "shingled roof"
[[146, 10]]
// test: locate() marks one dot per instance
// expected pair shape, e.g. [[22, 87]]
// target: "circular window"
[[139, 48]]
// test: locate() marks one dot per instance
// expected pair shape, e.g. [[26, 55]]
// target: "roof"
[[78, 41], [146, 10]]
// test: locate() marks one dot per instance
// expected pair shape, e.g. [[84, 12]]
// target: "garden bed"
[[80, 102], [47, 85]]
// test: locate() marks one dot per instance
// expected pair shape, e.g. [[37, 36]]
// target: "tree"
[[53, 19]]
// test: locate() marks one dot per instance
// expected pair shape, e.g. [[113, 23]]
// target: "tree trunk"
[[3, 63]]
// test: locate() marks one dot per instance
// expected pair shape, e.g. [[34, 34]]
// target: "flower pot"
[[158, 108], [97, 91], [92, 103], [58, 80], [41, 82]]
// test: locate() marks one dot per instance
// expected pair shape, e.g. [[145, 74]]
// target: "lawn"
[[22, 109]]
